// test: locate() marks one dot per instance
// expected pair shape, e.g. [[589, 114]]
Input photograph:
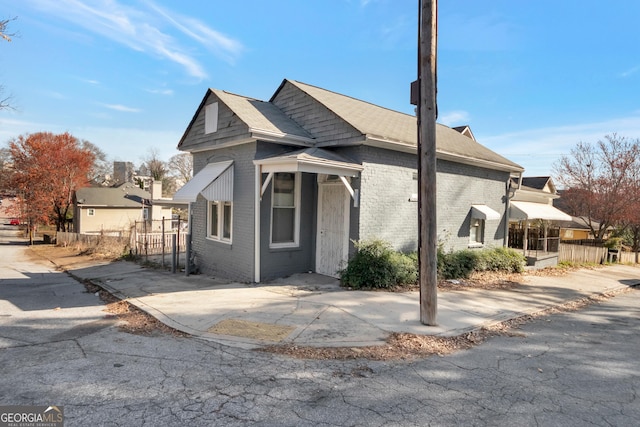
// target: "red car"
[[14, 221]]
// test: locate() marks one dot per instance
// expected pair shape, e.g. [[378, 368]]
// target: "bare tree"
[[181, 166], [101, 172], [600, 181], [4, 24], [156, 167], [5, 101]]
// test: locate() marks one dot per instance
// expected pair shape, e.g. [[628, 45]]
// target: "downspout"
[[188, 249], [256, 226]]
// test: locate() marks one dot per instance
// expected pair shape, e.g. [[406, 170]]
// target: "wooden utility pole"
[[428, 235]]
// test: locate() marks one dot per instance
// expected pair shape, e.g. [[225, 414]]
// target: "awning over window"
[[530, 210], [484, 212], [214, 182]]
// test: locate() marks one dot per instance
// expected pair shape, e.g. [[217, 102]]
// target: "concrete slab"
[[323, 314]]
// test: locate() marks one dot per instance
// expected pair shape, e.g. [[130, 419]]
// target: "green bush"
[[377, 265], [461, 264]]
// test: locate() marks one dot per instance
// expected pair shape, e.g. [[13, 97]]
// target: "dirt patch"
[[132, 319]]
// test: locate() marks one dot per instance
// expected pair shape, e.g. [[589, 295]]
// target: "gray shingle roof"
[[382, 123], [124, 196], [260, 115]]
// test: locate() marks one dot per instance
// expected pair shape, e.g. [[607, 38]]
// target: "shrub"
[[377, 265], [461, 264]]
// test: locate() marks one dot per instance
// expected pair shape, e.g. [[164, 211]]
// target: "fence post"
[[163, 242], [187, 256], [174, 253]]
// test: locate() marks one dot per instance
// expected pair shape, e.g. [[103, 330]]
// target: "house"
[[534, 223], [286, 185], [578, 230], [114, 210]]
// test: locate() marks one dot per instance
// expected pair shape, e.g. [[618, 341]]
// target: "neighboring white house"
[[534, 223], [115, 209]]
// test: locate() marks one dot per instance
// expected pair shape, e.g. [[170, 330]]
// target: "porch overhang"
[[214, 182], [530, 211], [310, 160], [484, 212]]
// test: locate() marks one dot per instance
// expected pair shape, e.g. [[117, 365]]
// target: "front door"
[[332, 243]]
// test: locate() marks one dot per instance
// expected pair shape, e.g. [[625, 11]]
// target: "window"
[[91, 212], [220, 221], [476, 234], [211, 118], [285, 215]]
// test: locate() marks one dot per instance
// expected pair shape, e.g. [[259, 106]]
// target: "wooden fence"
[[592, 254], [140, 243], [64, 238]]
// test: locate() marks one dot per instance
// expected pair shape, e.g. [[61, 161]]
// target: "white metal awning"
[[311, 160], [484, 212], [530, 210], [214, 182]]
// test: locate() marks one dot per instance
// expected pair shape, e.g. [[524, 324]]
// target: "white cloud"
[[454, 118], [141, 29], [630, 71], [122, 108], [161, 91]]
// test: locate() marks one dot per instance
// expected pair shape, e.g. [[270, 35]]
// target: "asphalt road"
[[57, 348]]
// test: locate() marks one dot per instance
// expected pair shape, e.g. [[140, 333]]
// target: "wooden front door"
[[332, 242]]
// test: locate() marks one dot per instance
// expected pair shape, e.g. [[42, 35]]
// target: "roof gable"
[[367, 123], [543, 183], [400, 129], [260, 117]]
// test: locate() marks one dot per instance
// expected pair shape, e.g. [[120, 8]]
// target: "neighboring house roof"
[[124, 196], [539, 183], [465, 130], [582, 223], [379, 126]]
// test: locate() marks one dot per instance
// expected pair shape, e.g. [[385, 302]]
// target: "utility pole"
[[427, 112]]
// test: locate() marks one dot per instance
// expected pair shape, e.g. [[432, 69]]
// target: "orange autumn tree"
[[47, 170]]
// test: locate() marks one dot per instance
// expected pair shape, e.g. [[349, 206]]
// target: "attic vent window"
[[211, 118]]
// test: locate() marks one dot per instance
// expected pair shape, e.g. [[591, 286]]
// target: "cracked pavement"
[[58, 348]]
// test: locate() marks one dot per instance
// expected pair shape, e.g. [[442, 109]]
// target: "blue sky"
[[531, 78]]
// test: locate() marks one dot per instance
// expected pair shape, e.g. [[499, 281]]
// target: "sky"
[[531, 78]]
